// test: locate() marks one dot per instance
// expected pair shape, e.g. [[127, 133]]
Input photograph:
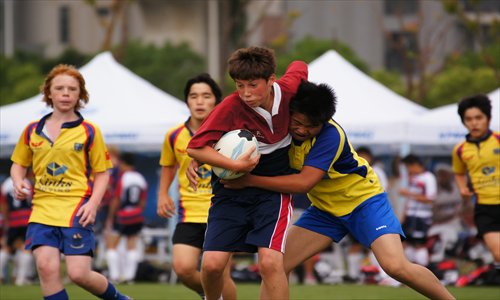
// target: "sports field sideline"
[[154, 291]]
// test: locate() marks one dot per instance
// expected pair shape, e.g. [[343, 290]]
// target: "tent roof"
[[369, 112], [442, 125], [130, 111]]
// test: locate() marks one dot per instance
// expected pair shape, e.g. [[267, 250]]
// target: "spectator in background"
[[476, 163], [17, 213], [201, 94], [367, 154], [396, 181], [103, 210], [446, 221], [420, 196], [125, 219]]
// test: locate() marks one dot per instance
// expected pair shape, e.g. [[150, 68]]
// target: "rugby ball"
[[233, 144]]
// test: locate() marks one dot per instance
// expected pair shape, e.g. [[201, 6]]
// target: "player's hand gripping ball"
[[233, 144]]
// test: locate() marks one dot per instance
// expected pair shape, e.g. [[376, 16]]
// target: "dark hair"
[[316, 101], [412, 159], [203, 78], [128, 158], [480, 101], [252, 63], [366, 150]]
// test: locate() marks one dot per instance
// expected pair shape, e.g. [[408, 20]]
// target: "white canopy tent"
[[131, 112], [370, 113], [442, 126]]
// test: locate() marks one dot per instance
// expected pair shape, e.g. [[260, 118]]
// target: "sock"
[[4, 258], [113, 261], [24, 263], [354, 265], [61, 295], [112, 293], [422, 256], [131, 266]]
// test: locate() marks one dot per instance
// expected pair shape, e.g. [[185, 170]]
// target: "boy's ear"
[[272, 79]]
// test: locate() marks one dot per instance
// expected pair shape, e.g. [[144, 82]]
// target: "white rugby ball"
[[233, 144]]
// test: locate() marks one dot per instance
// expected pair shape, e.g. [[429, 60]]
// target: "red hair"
[[63, 69]]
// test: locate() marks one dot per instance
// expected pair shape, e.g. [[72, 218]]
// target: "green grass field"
[[159, 291]]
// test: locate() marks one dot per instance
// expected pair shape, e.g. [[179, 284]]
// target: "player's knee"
[[78, 276], [47, 267], [269, 266], [212, 268], [395, 268], [183, 271]]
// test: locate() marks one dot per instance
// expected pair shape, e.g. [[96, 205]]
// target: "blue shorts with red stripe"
[[245, 223], [69, 240], [368, 221]]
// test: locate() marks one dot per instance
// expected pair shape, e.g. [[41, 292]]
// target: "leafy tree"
[[69, 57], [486, 39], [310, 48], [167, 67], [457, 82], [18, 80], [22, 75]]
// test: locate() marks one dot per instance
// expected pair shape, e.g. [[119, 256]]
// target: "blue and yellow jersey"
[[63, 168], [349, 180], [480, 160], [193, 205]]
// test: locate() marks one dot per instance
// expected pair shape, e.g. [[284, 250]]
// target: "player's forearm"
[[461, 181], [100, 184], [166, 178], [211, 157], [18, 173], [283, 184]]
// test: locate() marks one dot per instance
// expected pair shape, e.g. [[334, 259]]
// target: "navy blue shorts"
[[247, 222], [16, 233], [127, 230], [69, 240], [370, 220]]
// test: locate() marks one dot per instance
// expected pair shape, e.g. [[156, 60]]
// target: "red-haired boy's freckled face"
[[64, 92], [476, 122]]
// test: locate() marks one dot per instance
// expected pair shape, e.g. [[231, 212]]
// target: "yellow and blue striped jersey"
[[349, 179], [63, 168], [481, 161], [193, 205]]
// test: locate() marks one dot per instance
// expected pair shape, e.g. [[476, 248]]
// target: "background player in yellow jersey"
[[345, 193], [476, 164], [69, 160], [201, 94]]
